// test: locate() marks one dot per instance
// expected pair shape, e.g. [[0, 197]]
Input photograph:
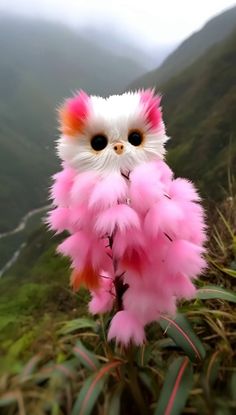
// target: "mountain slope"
[[216, 30], [40, 64], [199, 109]]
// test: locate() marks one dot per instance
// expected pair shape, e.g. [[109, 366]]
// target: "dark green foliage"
[[71, 367], [34, 295], [199, 108]]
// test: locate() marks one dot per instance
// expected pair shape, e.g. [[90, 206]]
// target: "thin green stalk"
[[134, 383]]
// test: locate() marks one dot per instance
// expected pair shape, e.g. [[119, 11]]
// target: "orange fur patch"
[[70, 125], [87, 277]]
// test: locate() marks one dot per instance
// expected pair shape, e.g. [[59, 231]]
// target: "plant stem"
[[134, 383]]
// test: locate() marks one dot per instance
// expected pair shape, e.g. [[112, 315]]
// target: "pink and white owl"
[[136, 233]]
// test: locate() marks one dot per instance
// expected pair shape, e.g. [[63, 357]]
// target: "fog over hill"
[[42, 62], [214, 31]]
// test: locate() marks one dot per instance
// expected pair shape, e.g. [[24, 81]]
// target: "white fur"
[[113, 116]]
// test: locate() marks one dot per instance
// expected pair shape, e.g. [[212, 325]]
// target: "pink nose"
[[119, 148]]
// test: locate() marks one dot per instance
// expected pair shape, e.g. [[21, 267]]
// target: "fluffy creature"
[[136, 234]]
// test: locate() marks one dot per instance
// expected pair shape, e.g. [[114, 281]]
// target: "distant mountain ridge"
[[215, 30]]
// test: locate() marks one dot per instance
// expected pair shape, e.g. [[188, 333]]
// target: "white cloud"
[[148, 21]]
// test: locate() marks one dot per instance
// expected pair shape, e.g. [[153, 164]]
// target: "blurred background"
[[50, 48]]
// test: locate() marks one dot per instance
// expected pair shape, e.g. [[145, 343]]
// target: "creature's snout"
[[118, 148]]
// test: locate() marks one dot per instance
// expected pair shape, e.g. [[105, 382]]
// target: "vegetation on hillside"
[[54, 356], [199, 108]]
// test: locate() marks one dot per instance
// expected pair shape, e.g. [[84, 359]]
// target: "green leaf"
[[211, 372], [146, 380], [87, 358], [230, 272], [77, 324], [92, 388], [180, 330], [233, 386], [9, 398], [178, 382], [30, 367], [165, 343], [143, 355], [114, 401], [215, 292], [66, 369]]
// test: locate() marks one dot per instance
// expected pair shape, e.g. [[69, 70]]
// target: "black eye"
[[135, 138], [99, 142]]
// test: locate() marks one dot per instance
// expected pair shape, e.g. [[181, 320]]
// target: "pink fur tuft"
[[109, 191], [60, 191], [78, 106], [152, 109], [182, 189], [103, 298], [145, 186], [126, 328], [76, 247], [83, 186], [164, 216], [58, 219], [120, 216], [185, 257]]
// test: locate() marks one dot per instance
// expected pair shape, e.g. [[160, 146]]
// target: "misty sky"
[[150, 22]]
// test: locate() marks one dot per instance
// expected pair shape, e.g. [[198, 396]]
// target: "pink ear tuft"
[[74, 113], [78, 106], [151, 104]]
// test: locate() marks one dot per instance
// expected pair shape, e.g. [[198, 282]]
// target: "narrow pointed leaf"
[[143, 355], [229, 271], [233, 386], [114, 402], [67, 369], [92, 388], [13, 397], [8, 398], [77, 324], [211, 373], [178, 382], [87, 358], [181, 331], [214, 292], [30, 367]]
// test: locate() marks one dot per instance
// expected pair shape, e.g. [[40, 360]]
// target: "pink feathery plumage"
[[108, 192], [103, 298], [125, 327], [60, 191], [151, 104], [121, 217], [58, 219], [136, 234]]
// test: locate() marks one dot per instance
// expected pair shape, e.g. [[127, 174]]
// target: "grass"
[[44, 374]]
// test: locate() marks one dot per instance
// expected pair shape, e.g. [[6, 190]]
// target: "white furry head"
[[111, 134]]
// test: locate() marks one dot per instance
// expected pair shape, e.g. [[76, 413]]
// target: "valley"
[[41, 64]]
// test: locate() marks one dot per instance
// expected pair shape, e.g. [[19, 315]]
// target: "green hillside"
[[34, 296], [40, 325], [40, 64], [199, 109], [216, 30]]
